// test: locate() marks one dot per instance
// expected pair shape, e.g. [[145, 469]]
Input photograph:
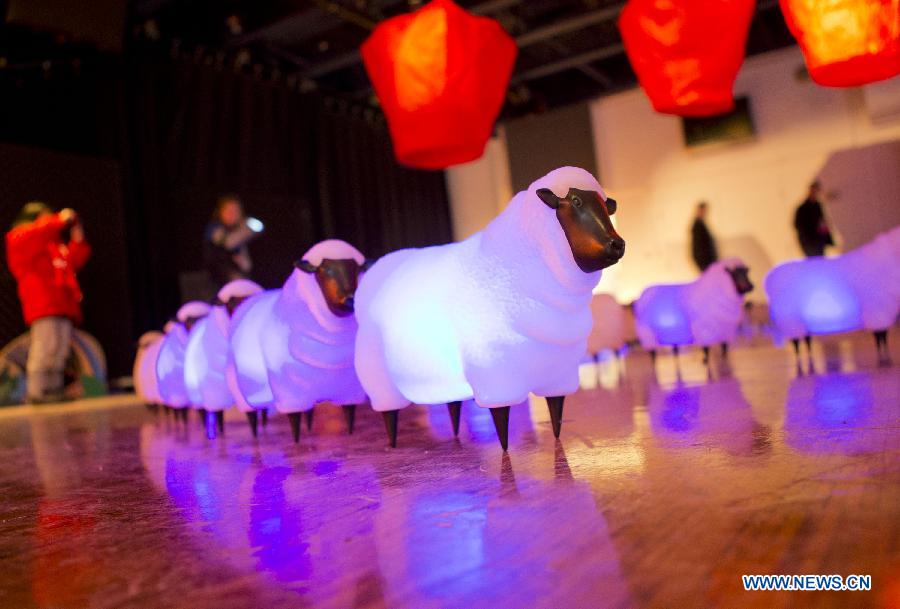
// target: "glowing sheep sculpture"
[[306, 333], [705, 312], [859, 290], [503, 313], [170, 363], [207, 353], [144, 372]]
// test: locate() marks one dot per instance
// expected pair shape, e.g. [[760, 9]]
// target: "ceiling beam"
[[572, 24], [568, 63], [540, 34]]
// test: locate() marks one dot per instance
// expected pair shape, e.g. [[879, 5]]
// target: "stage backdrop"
[[165, 137], [307, 168]]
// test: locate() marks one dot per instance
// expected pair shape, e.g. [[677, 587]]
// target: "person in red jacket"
[[44, 250]]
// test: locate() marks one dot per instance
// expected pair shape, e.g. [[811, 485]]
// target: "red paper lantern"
[[441, 76], [846, 42], [687, 53]]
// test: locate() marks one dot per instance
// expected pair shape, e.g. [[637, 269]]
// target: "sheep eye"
[[576, 201]]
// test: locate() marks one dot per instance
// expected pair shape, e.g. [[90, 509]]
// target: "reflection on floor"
[[664, 490]]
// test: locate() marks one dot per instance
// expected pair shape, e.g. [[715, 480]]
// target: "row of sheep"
[[505, 313], [493, 318]]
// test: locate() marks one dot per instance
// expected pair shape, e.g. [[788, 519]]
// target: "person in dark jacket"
[[225, 241], [703, 245], [809, 221], [44, 251]]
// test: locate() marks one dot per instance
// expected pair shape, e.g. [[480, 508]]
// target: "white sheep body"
[[704, 312], [854, 291], [246, 375], [503, 313], [144, 372], [207, 353], [307, 350], [170, 368]]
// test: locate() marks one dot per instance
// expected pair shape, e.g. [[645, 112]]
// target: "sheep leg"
[[555, 404], [724, 350], [202, 416], [706, 355], [390, 425], [796, 343], [455, 408], [500, 415], [350, 416], [308, 417], [881, 346], [653, 357], [209, 424], [253, 420], [265, 417], [220, 422], [294, 419]]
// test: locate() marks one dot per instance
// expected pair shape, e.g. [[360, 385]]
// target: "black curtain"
[[178, 133], [309, 168]]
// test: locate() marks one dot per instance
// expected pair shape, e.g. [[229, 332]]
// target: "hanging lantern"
[[846, 42], [441, 76], [687, 53]]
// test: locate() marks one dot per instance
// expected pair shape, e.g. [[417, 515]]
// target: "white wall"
[[479, 190], [753, 187]]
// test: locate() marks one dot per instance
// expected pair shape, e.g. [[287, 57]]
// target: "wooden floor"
[[662, 493]]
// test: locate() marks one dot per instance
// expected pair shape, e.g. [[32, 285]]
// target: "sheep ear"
[[547, 196], [369, 262], [611, 205], [306, 266]]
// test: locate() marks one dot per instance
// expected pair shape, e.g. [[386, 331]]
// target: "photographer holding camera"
[[45, 250]]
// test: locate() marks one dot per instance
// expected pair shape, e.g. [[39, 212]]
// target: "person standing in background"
[[809, 221], [45, 250], [703, 245], [225, 241]]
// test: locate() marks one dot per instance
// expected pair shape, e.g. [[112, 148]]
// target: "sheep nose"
[[616, 247], [348, 303]]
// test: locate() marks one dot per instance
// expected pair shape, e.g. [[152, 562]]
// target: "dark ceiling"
[[569, 50]]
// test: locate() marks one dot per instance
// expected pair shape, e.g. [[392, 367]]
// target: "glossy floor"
[[661, 493]]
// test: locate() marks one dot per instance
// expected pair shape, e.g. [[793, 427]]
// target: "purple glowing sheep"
[[503, 313], [705, 312], [170, 363], [859, 290], [305, 333]]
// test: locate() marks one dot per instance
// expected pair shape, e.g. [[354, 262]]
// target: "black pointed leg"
[[796, 343], [706, 361], [294, 419], [201, 412], [350, 417], [881, 347], [209, 425], [501, 424], [555, 404], [724, 350], [220, 422], [253, 420], [308, 417], [265, 417], [390, 426], [653, 357], [455, 408]]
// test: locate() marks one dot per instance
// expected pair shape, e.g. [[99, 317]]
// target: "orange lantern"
[[441, 77], [687, 53], [846, 42]]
